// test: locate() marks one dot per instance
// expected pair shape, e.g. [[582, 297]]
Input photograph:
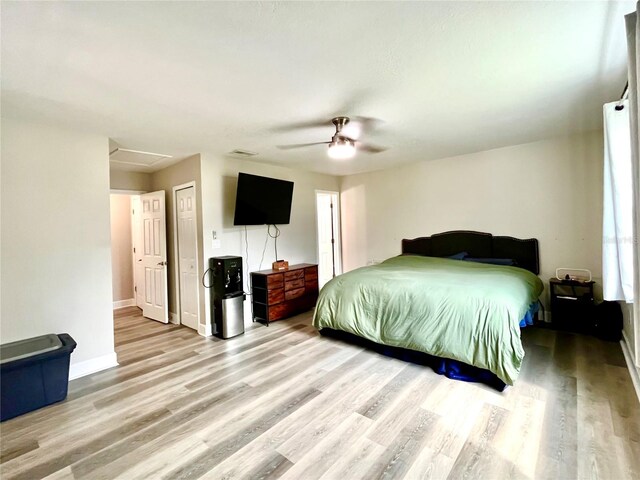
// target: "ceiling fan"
[[342, 145]]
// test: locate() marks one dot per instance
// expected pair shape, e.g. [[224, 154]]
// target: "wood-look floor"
[[283, 402]]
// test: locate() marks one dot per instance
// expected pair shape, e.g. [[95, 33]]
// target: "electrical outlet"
[[215, 234]]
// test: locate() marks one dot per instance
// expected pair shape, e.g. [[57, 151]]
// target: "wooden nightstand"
[[282, 294], [572, 305]]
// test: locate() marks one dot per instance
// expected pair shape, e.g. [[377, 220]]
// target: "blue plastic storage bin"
[[34, 373]]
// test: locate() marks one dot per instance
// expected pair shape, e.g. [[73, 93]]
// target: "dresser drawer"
[[295, 293], [293, 284], [311, 285], [293, 275], [279, 311], [311, 273], [276, 296], [275, 281]]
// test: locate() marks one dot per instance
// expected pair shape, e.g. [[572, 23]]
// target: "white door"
[[187, 257], [154, 256], [329, 261]]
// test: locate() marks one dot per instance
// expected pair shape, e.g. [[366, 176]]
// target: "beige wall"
[[550, 190], [133, 181], [298, 239], [121, 248], [187, 170], [55, 248]]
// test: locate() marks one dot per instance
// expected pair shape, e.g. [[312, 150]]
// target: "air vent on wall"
[[243, 153], [136, 157]]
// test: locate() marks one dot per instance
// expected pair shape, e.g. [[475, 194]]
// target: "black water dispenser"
[[227, 296]]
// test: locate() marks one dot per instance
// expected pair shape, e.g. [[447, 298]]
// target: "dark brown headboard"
[[476, 244]]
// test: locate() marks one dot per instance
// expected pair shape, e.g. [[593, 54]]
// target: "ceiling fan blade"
[[300, 145], [368, 148], [302, 125], [360, 126], [368, 123]]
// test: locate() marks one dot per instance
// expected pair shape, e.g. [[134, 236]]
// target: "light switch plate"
[[216, 244]]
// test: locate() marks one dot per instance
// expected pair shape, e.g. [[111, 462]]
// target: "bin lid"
[[10, 352]]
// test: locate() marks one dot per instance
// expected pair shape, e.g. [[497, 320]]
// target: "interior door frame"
[[177, 319], [338, 232]]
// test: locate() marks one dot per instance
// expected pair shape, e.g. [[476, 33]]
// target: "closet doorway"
[[328, 231]]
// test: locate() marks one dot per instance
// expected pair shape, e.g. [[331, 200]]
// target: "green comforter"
[[465, 311]]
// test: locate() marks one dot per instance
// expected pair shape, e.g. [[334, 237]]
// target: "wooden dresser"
[[279, 294]]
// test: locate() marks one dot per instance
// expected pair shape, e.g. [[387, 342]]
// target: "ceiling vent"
[[136, 157], [243, 153]]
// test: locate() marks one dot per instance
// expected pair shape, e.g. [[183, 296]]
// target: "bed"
[[432, 305]]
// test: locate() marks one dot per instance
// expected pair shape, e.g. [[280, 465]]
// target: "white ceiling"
[[446, 77]]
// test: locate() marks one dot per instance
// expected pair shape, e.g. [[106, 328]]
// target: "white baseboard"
[[80, 369], [173, 318], [205, 330], [130, 302], [633, 370]]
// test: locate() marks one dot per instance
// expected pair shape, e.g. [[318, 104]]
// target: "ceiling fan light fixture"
[[342, 149]]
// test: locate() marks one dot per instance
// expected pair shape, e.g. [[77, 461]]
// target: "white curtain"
[[633, 49], [617, 225]]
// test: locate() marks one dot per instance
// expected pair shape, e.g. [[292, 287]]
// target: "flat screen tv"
[[262, 200]]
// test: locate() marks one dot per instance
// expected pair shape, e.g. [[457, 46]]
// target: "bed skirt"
[[443, 366]]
